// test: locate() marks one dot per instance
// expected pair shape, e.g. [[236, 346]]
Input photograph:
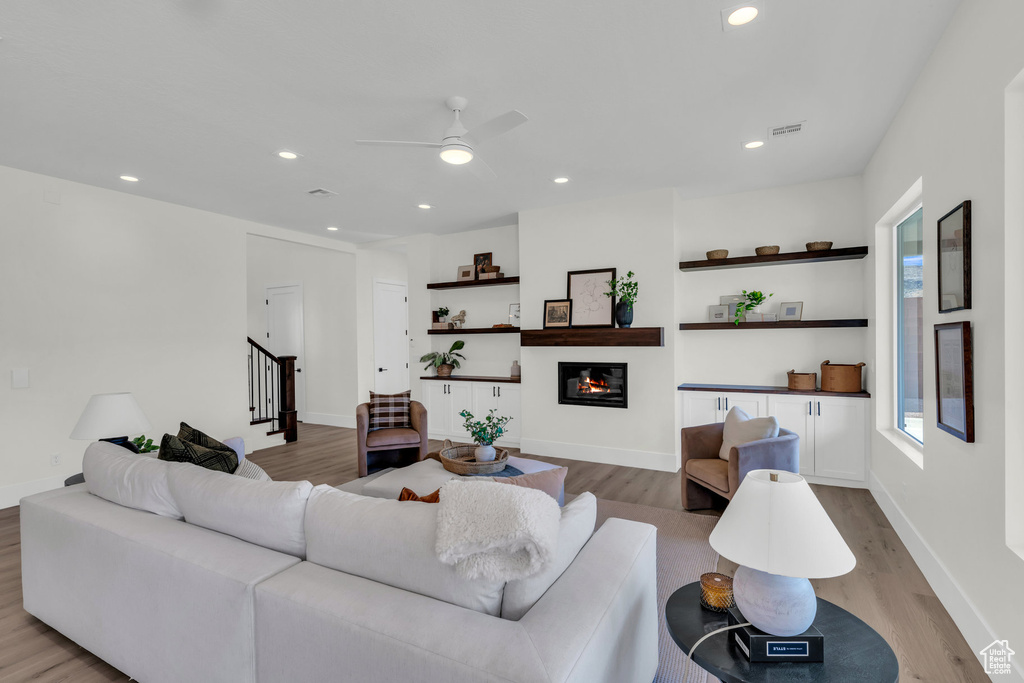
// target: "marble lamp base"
[[779, 605]]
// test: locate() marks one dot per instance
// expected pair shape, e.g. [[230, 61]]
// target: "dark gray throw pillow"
[[219, 457]]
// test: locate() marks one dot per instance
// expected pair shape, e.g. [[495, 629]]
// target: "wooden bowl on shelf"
[[717, 254], [819, 246], [767, 251]]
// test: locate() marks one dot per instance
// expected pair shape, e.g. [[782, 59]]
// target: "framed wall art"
[[954, 380], [954, 236], [481, 260], [557, 313], [513, 315], [718, 314], [466, 273], [791, 310], [590, 306]]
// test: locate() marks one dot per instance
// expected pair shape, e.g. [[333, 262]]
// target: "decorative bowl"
[[767, 251], [717, 254], [819, 246]]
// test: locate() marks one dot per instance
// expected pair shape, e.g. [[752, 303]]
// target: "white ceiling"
[[195, 96]]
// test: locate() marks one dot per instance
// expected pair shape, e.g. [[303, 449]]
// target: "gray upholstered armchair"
[[705, 473], [397, 444]]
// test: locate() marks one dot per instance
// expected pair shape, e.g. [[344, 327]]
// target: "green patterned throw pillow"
[[203, 450]]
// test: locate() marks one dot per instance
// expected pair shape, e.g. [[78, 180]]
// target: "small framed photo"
[[954, 379], [466, 273], [513, 315], [791, 310], [718, 314], [481, 260], [590, 306], [731, 300], [557, 313]]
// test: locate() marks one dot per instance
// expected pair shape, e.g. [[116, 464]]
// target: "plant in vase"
[[752, 302], [442, 313], [485, 432], [446, 361], [625, 288]]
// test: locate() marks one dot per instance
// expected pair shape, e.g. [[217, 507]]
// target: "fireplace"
[[592, 384]]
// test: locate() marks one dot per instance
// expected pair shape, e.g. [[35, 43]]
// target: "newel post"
[[288, 417]]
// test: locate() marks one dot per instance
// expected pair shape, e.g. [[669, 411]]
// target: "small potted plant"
[[485, 432], [752, 304], [444, 362], [625, 288], [442, 313]]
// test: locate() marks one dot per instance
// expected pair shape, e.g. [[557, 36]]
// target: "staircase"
[[272, 392]]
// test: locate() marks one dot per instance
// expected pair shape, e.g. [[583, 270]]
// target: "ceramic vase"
[[623, 314], [484, 453]]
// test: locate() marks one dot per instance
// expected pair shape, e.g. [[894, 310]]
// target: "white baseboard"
[[965, 615], [648, 460], [832, 481], [11, 494], [330, 420]]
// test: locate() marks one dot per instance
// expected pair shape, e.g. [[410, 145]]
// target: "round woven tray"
[[462, 460]]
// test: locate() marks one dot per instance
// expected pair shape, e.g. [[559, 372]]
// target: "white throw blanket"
[[496, 531]]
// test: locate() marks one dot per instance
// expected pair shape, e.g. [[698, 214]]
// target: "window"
[[910, 326]]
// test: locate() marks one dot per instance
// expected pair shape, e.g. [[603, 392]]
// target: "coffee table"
[[854, 652]]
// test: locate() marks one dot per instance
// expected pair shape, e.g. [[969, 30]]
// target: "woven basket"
[[802, 381], [767, 251], [716, 254], [492, 269], [841, 377], [462, 460], [819, 246]]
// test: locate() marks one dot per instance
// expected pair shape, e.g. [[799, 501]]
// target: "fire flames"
[[592, 386]]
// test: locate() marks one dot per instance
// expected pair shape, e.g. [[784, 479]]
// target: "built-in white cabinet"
[[833, 430], [445, 399], [708, 407]]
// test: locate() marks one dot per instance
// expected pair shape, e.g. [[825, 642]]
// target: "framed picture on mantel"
[[590, 306]]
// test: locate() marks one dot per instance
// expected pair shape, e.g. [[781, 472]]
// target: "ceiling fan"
[[457, 144]]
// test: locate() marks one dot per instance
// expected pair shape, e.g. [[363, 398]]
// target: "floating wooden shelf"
[[597, 336], [478, 330], [785, 324], [514, 280], [752, 389], [474, 378], [844, 254]]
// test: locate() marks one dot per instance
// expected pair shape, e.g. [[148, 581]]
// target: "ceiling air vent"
[[788, 130], [321, 192]]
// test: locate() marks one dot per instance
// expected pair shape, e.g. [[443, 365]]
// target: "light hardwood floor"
[[886, 589]]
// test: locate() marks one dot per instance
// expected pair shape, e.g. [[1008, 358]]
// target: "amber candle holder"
[[716, 592]]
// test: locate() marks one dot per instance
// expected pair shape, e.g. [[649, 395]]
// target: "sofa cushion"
[[251, 470], [741, 428], [399, 436], [174, 449], [267, 513], [389, 411], [120, 476], [575, 529], [712, 471], [551, 482], [391, 543]]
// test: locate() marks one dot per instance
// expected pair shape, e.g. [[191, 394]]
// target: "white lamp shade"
[[110, 415], [779, 527]]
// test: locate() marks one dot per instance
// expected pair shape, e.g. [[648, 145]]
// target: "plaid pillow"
[[176, 450], [388, 411]]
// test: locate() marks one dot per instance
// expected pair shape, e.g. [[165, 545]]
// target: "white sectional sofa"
[[174, 573]]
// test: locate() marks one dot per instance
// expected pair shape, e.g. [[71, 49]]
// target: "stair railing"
[[272, 392]]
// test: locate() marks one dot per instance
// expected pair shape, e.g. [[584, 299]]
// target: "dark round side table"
[[854, 652]]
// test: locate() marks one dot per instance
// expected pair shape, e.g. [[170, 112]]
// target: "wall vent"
[[785, 131], [321, 192]]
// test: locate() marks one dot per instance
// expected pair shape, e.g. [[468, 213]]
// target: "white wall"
[[951, 511], [372, 264], [634, 232], [103, 292], [328, 279], [788, 217]]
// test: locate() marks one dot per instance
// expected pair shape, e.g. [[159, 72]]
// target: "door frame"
[[300, 397], [373, 322]]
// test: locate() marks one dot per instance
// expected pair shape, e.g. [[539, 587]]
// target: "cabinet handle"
[[810, 407], [819, 408], [727, 403], [499, 392], [719, 402], [493, 392]]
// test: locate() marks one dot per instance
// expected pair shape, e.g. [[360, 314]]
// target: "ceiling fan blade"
[[481, 170], [397, 143], [496, 126]]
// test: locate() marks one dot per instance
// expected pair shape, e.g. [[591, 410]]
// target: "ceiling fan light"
[[457, 153]]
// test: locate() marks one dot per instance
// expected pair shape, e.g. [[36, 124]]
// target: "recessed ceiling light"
[[332, 228], [753, 144], [424, 206], [129, 178], [287, 154], [744, 15], [561, 180]]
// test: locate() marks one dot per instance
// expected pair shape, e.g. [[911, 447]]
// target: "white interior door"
[[390, 337], [285, 336]]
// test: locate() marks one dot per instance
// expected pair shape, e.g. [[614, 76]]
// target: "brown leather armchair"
[[705, 473], [408, 445]]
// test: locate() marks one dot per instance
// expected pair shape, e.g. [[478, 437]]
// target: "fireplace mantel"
[[594, 336]]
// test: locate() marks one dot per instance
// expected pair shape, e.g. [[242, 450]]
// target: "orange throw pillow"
[[548, 481], [409, 494]]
